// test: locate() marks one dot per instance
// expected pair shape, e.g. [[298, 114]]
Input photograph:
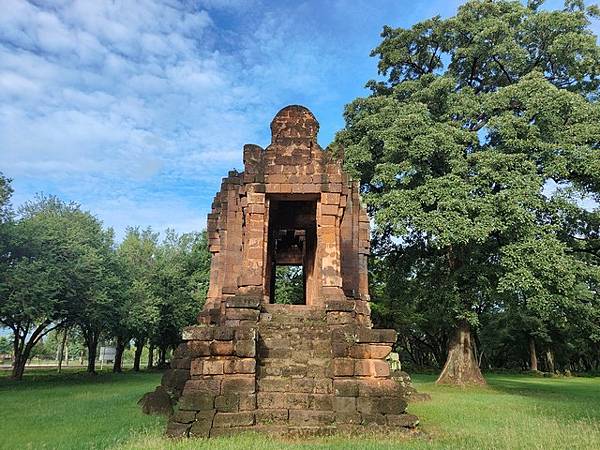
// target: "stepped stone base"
[[287, 370]]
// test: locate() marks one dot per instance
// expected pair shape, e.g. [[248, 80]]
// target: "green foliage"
[[54, 271], [180, 282], [289, 285], [139, 310], [5, 194], [5, 346], [473, 158]]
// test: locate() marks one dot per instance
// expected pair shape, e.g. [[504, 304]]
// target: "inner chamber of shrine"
[[253, 364]]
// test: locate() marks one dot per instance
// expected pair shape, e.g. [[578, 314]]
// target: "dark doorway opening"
[[291, 248]]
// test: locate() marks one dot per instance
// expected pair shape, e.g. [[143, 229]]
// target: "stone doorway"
[[292, 244]]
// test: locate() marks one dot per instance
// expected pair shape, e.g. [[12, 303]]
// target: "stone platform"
[[289, 371]]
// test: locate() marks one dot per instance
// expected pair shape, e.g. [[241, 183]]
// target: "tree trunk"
[[139, 346], [92, 347], [61, 350], [120, 348], [22, 348], [549, 361], [151, 356], [162, 357], [461, 366], [533, 361], [18, 367]]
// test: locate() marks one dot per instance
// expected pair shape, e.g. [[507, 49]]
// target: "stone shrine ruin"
[[252, 364]]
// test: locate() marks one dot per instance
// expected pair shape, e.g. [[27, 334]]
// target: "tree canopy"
[[474, 153]]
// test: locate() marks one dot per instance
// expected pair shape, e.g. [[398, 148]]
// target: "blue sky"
[[137, 109]]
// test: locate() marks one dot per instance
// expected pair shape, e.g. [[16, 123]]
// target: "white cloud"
[[137, 109]]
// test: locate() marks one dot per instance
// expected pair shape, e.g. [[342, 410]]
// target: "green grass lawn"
[[77, 411]]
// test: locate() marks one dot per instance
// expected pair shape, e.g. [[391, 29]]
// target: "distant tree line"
[[61, 271], [478, 154]]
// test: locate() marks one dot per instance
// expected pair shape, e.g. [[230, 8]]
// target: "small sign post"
[[107, 354]]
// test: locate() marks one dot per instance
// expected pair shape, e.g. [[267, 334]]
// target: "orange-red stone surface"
[[251, 364]]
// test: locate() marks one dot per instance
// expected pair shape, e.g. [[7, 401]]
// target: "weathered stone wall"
[[254, 365]]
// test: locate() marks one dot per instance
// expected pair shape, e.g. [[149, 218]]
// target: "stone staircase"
[[294, 368]]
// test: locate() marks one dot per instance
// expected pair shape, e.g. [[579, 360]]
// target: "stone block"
[[213, 367], [271, 400], [245, 348], [244, 365], [247, 402], [370, 351], [380, 351], [339, 349], [242, 314], [323, 386], [373, 336], [243, 302], [294, 400], [198, 348], [239, 385], [197, 332], [340, 305], [343, 367], [245, 334], [380, 405], [339, 318], [221, 348], [201, 427], [184, 416], [196, 401], [224, 334], [345, 387], [378, 387], [329, 209], [206, 384], [235, 419], [321, 402], [348, 418], [402, 420], [344, 404], [271, 416], [196, 367], [177, 430], [371, 367], [276, 384], [328, 221], [373, 419], [227, 403], [330, 198], [308, 417]]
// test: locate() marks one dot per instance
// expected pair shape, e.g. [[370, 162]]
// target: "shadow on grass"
[[577, 397], [48, 378]]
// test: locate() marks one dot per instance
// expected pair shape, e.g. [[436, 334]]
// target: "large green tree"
[[139, 310], [486, 126], [52, 269], [180, 282]]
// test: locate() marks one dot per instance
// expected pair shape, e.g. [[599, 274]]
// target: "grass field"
[[77, 411]]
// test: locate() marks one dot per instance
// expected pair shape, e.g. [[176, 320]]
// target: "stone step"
[[291, 310], [297, 401], [291, 314], [288, 368], [273, 338], [309, 385]]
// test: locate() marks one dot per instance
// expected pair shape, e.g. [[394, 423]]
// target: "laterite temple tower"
[[252, 364]]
